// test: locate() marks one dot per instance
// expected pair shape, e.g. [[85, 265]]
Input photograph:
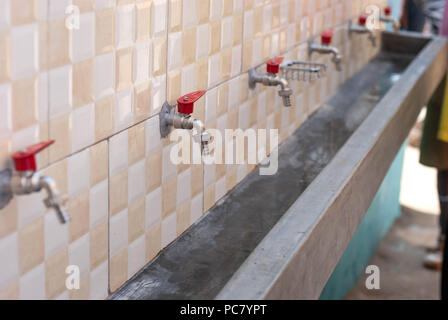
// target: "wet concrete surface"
[[200, 263], [400, 259]]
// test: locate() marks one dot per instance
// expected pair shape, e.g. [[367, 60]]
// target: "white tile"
[[9, 268], [243, 117], [103, 4], [56, 234], [63, 296], [56, 9], [214, 69], [136, 181], [83, 127], [30, 207], [189, 13], [196, 209], [248, 25], [227, 32], [83, 39], [99, 282], [118, 153], [136, 256], [142, 62], [24, 50], [25, 137], [32, 284], [169, 230], [202, 41], [236, 60], [124, 110], [159, 17], [174, 51], [152, 132], [153, 208], [220, 188], [234, 92], [79, 254], [211, 101], [5, 17], [184, 187], [118, 232], [188, 79], [125, 25], [5, 110], [104, 75], [78, 168], [215, 9], [99, 202], [60, 92]]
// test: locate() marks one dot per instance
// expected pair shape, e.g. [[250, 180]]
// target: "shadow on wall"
[[381, 215]]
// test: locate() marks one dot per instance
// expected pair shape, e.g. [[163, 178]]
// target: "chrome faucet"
[[387, 17], [362, 29], [271, 79], [325, 48], [25, 180], [169, 119]]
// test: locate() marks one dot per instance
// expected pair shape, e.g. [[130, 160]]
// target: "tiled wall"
[[98, 90]]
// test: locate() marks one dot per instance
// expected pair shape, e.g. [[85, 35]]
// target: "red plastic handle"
[[273, 65], [363, 19], [185, 104], [327, 36], [25, 160], [388, 10]]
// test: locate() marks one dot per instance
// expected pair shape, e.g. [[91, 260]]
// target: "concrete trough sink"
[[280, 237]]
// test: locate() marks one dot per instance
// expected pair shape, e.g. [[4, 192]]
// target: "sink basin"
[[280, 237]]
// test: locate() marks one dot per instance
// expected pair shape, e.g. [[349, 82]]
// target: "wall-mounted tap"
[[25, 180], [325, 48], [182, 119], [362, 29], [272, 79], [387, 17]]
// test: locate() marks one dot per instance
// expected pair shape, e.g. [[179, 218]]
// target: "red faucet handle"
[[273, 65], [363, 19], [25, 160], [327, 36], [388, 10], [185, 104]]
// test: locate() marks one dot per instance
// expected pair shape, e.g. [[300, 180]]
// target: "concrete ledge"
[[297, 257]]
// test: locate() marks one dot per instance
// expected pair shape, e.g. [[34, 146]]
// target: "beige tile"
[[104, 118], [99, 245], [85, 5], [175, 19], [169, 197], [118, 270], [153, 241], [227, 8], [5, 56], [58, 172], [154, 171], [136, 220], [79, 214], [55, 275], [189, 46], [142, 96], [136, 143], [61, 132], [23, 11], [83, 293], [118, 193], [215, 37], [183, 218], [24, 101], [83, 79], [105, 30], [209, 198], [99, 164], [124, 69], [159, 56], [197, 180], [174, 86], [8, 218], [10, 292], [55, 44], [143, 21], [31, 245], [203, 11]]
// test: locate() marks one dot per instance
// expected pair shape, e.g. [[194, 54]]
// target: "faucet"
[[325, 48], [362, 29], [387, 17], [271, 79], [183, 120], [25, 180]]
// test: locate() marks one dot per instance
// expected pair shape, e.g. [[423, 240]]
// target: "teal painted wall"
[[382, 213]]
